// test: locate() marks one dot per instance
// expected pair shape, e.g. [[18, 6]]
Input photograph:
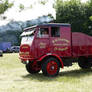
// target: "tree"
[[4, 5], [43, 2], [21, 6], [76, 13]]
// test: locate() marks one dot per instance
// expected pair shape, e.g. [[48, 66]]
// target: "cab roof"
[[49, 24], [55, 24]]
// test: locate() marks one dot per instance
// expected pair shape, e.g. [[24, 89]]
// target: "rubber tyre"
[[84, 63], [30, 69], [48, 64]]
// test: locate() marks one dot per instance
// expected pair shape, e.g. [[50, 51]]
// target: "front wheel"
[[51, 67], [31, 68]]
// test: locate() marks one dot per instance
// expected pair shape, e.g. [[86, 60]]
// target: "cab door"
[[42, 41], [60, 41]]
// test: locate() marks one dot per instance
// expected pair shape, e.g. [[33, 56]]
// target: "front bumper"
[[26, 59]]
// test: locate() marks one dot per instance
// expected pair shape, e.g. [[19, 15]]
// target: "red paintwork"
[[81, 44], [54, 55], [74, 45], [24, 52], [35, 66], [66, 34], [52, 67]]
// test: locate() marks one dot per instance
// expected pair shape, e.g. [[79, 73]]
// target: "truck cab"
[[45, 39], [41, 44]]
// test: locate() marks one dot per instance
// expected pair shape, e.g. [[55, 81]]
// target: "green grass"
[[15, 78]]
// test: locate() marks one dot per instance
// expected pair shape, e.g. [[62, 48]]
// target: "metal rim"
[[52, 67]]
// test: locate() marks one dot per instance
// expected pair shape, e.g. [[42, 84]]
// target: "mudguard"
[[54, 55]]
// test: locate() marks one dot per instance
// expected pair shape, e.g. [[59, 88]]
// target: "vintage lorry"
[[49, 47]]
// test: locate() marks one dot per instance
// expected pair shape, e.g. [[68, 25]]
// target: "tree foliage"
[[21, 6], [4, 5], [78, 14], [43, 2]]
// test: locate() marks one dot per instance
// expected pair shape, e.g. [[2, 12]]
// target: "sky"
[[28, 13]]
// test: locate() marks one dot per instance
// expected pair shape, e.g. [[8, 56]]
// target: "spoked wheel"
[[51, 67], [31, 68], [84, 63]]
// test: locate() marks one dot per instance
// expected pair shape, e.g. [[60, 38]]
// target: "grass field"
[[14, 78]]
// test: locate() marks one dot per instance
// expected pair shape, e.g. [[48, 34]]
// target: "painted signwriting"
[[59, 39], [42, 45], [60, 49], [57, 42]]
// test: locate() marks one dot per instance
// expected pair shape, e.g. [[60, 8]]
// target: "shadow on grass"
[[76, 73], [39, 77], [62, 75]]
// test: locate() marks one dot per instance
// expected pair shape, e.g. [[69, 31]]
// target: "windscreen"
[[27, 37]]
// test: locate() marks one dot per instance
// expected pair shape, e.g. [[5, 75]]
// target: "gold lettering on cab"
[[60, 42], [24, 53], [24, 47], [42, 45], [59, 39], [60, 49]]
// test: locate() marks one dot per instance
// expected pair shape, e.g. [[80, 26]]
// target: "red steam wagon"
[[49, 47]]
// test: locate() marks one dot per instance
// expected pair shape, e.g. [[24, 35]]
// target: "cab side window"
[[43, 33], [55, 31]]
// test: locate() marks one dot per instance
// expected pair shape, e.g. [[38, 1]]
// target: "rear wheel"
[[31, 68], [84, 63], [51, 67]]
